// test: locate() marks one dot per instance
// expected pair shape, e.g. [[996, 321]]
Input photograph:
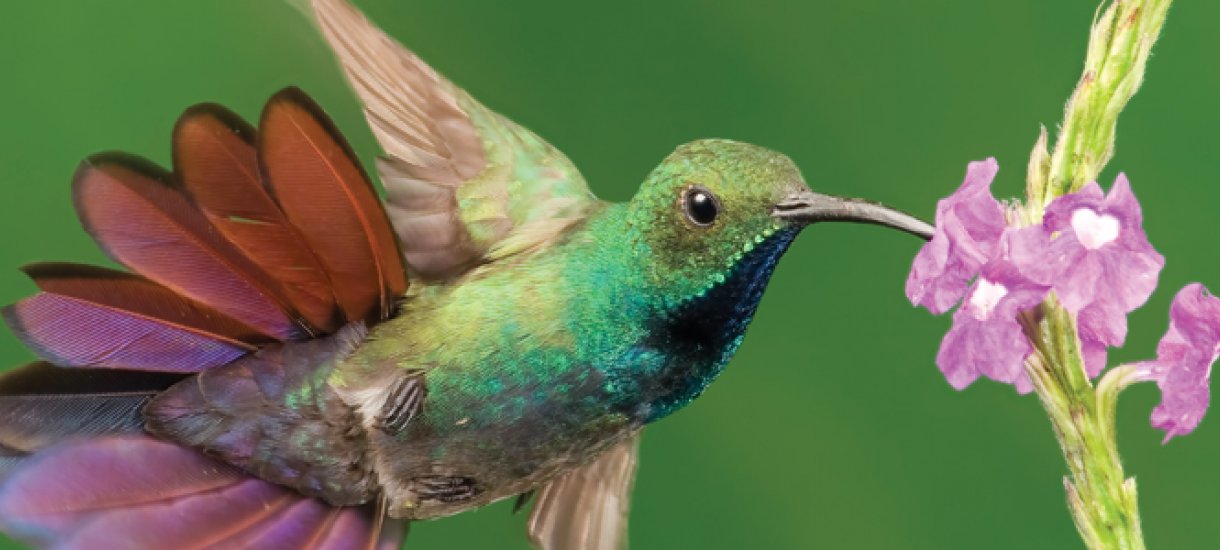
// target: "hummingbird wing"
[[254, 248], [133, 491], [587, 508], [78, 471], [464, 184]]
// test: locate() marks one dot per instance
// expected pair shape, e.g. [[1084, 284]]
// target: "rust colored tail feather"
[[319, 183], [256, 238], [216, 159]]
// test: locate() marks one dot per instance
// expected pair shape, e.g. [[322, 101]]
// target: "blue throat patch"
[[701, 335]]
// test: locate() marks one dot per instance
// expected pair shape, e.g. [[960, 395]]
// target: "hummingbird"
[[290, 362]]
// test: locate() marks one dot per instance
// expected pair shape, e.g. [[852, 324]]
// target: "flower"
[[968, 227], [986, 338], [1094, 253], [1090, 248], [1182, 369]]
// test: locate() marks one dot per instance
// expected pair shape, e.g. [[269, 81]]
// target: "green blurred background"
[[832, 428]]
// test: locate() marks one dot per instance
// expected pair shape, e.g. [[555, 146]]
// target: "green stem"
[[1114, 381], [1102, 500]]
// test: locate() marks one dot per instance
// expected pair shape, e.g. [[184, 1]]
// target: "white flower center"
[[1092, 230], [985, 297]]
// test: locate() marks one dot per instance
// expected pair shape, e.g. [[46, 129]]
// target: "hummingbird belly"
[[478, 440]]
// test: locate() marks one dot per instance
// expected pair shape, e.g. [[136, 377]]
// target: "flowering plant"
[[1045, 286]]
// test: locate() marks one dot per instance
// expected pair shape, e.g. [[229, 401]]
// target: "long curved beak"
[[808, 207]]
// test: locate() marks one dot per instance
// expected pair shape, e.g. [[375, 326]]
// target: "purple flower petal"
[[1100, 325], [986, 338], [1100, 254], [1185, 355], [1091, 248], [1094, 355], [969, 224]]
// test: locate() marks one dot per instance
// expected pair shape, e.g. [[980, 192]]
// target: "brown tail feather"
[[216, 160], [326, 194]]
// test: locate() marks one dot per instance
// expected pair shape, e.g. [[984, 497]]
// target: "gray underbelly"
[[426, 475]]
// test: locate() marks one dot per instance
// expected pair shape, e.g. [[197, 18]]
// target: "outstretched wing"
[[133, 491], [465, 185], [77, 470], [587, 507]]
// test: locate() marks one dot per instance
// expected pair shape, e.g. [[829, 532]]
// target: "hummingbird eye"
[[701, 206]]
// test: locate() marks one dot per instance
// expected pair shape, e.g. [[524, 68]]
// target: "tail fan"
[[255, 238]]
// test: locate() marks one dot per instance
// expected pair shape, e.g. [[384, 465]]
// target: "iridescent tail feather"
[[255, 238]]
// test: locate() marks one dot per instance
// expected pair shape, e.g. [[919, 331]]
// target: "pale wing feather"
[[587, 509], [464, 184]]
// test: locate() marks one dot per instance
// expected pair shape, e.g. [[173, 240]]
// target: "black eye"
[[701, 206]]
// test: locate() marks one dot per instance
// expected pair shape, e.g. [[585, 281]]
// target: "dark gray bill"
[[809, 207]]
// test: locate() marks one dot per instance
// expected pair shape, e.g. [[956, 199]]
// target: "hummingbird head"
[[703, 235], [713, 204]]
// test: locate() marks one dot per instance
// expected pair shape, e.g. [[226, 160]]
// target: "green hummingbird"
[[291, 363]]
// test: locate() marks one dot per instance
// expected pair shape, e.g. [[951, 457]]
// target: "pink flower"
[[1092, 251], [968, 227], [1091, 248], [1182, 369], [986, 338]]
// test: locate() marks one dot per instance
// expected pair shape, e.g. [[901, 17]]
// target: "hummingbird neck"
[[685, 341]]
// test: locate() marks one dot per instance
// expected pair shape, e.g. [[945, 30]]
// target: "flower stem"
[[1102, 500]]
